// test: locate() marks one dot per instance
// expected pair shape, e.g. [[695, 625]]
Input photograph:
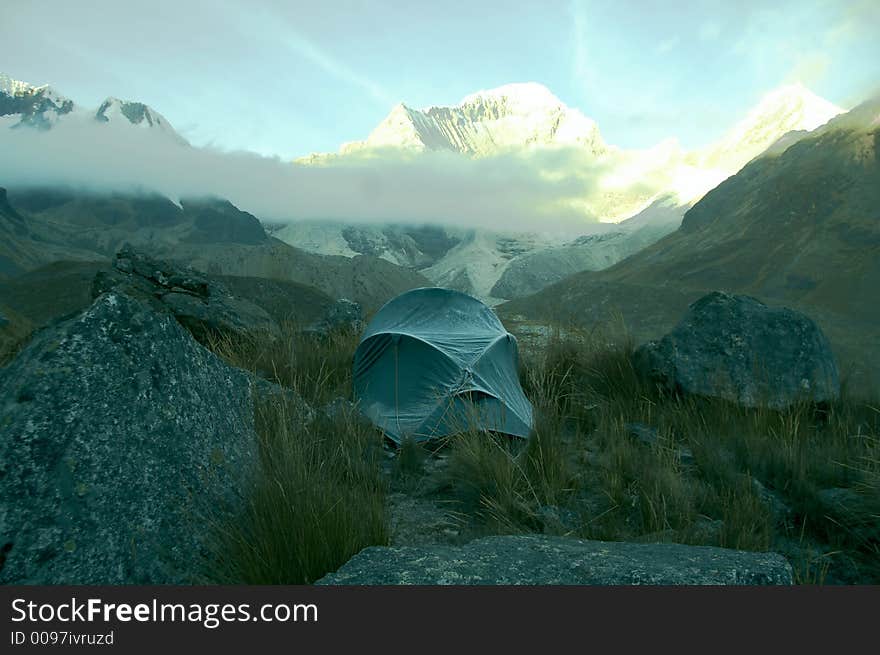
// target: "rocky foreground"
[[542, 560], [123, 438]]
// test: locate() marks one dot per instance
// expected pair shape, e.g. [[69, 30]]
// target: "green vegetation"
[[318, 501], [319, 498], [611, 458], [14, 336], [804, 481], [317, 368]]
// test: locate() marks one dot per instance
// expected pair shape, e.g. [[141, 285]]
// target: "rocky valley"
[[694, 331]]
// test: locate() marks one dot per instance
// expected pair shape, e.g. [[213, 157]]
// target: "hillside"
[[799, 227], [209, 234]]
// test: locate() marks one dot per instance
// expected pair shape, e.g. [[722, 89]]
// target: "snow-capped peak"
[[17, 88], [794, 102], [485, 123], [42, 107], [26, 104], [13, 87], [791, 107], [137, 114], [519, 96]]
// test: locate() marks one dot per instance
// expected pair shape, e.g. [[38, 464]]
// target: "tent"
[[434, 362]]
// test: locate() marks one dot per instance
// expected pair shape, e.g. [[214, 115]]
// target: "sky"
[[285, 79]]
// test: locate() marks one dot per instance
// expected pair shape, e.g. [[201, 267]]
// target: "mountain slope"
[[790, 108], [532, 272], [645, 192], [22, 247], [209, 234], [414, 246], [800, 227]]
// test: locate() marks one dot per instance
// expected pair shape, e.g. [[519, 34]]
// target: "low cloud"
[[534, 190]]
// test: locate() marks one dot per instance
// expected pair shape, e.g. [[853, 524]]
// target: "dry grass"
[[318, 368], [318, 501], [320, 495], [14, 336], [714, 474], [804, 481]]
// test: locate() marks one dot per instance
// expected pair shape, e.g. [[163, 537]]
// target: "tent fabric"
[[434, 362]]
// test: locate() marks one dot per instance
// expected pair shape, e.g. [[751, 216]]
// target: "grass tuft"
[[318, 500], [804, 481]]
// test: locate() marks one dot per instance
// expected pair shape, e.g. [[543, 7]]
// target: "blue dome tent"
[[434, 362]]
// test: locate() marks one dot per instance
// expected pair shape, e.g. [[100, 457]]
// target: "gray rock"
[[201, 305], [545, 560], [343, 315], [781, 512], [649, 436], [737, 348], [298, 411], [643, 433], [708, 530], [856, 510], [685, 456], [840, 498], [558, 520], [118, 432]]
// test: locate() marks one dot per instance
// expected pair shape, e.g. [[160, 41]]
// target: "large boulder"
[[545, 560], [121, 440], [201, 305], [737, 348]]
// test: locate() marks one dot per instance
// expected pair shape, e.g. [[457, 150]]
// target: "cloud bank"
[[559, 189]]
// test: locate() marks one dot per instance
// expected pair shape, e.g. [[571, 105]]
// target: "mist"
[[552, 190]]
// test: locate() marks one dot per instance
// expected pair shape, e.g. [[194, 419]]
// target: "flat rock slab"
[[543, 560]]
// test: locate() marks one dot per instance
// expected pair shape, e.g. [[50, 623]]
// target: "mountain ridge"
[[484, 123], [799, 228], [43, 107]]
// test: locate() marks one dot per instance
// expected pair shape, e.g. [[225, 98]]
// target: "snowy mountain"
[[645, 192], [35, 106], [518, 118], [413, 246], [533, 271], [790, 108], [23, 104], [464, 259], [521, 123], [485, 123], [136, 114], [480, 258]]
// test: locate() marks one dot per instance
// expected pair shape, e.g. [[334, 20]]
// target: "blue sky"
[[289, 78]]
